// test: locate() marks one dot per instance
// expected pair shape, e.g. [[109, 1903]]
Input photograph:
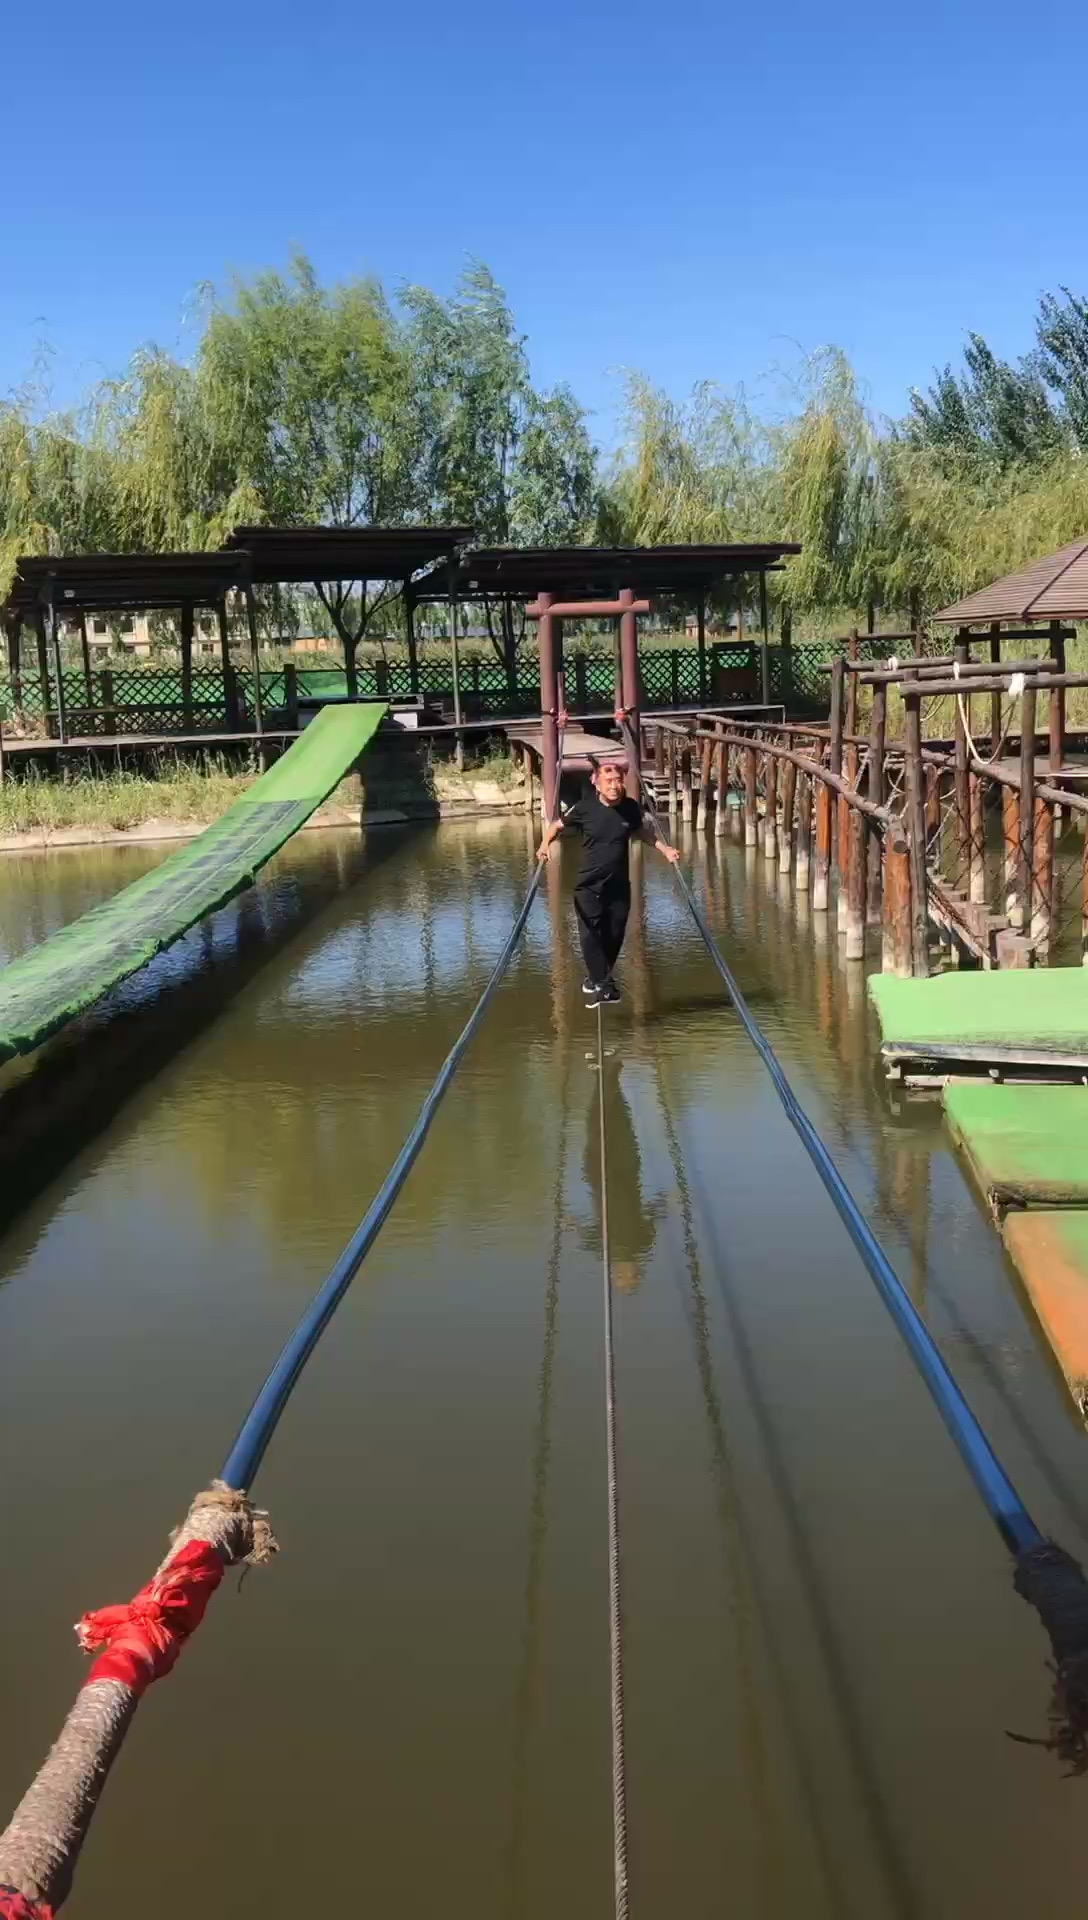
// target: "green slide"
[[65, 975]]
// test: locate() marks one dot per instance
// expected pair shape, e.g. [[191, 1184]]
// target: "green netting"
[[53, 982], [1025, 1144], [997, 1015]]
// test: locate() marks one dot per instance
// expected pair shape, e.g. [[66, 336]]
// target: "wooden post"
[[672, 755], [685, 779], [770, 807], [804, 834], [995, 698], [1041, 926], [764, 643], [410, 636], [916, 829], [701, 638], [547, 692], [659, 751], [580, 698], [529, 764], [721, 769], [187, 666], [978, 842], [789, 789], [85, 649], [705, 761], [897, 924], [751, 804], [822, 864], [255, 662], [878, 729], [963, 793], [1084, 905], [105, 695], [631, 700], [53, 625], [290, 695], [857, 880], [1010, 835], [1057, 700], [835, 756], [43, 672], [1027, 805]]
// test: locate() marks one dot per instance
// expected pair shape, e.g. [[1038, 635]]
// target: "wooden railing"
[[934, 843]]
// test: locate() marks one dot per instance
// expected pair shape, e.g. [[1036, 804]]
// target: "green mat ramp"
[[54, 982], [1037, 1015], [1028, 1146]]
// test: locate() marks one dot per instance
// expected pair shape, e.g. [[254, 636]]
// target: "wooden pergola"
[[564, 582]]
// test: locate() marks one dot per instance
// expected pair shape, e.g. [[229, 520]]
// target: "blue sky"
[[690, 189]]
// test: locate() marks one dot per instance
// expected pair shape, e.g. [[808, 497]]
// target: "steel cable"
[[615, 1592]]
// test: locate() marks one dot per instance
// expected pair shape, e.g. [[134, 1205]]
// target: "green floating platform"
[[1034, 1017], [1027, 1146], [1051, 1252], [54, 982]]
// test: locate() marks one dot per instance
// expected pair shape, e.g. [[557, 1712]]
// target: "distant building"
[[131, 633]]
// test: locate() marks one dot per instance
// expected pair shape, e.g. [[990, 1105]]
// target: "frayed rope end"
[[1051, 1581]]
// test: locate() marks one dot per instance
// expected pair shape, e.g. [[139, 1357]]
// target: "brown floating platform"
[[1050, 1250]]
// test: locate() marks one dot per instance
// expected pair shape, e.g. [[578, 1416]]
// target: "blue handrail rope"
[[1046, 1575], [260, 1423]]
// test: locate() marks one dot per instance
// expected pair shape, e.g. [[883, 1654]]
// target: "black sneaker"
[[591, 989], [610, 993]]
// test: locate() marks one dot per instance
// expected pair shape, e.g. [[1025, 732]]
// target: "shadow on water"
[[58, 1099]]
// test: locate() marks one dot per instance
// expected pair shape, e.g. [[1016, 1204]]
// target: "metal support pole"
[[255, 658], [629, 683], [455, 659], [549, 698], [410, 631], [53, 625], [764, 644]]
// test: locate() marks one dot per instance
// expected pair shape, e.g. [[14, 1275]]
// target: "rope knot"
[[141, 1638]]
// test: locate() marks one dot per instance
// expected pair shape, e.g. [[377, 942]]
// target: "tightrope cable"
[[615, 1591]]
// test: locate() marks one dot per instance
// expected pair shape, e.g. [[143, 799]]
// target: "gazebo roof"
[[588, 573], [123, 582], [285, 555], [1055, 588]]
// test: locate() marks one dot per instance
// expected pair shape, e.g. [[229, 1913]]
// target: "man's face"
[[609, 784]]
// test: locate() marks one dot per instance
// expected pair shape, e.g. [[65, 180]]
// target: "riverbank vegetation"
[[343, 405]]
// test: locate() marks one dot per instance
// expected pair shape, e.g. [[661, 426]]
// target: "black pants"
[[602, 921]]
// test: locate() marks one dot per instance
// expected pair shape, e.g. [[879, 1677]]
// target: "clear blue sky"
[[686, 187]]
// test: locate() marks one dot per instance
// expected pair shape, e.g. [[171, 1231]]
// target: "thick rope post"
[[136, 1643], [1045, 1575]]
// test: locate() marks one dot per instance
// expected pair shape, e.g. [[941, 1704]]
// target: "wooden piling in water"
[[916, 830], [1084, 905], [962, 782], [835, 727], [1026, 860], [751, 805], [821, 870], [978, 842], [785, 843], [1043, 874], [897, 939], [857, 880], [705, 762], [671, 748], [721, 769], [770, 807], [1010, 834], [804, 834], [685, 780], [878, 728]]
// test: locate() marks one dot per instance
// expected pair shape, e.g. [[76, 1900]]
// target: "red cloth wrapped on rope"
[[142, 1638], [16, 1906]]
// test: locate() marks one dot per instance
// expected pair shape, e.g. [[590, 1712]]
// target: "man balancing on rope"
[[607, 821]]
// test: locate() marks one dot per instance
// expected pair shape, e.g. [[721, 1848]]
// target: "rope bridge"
[[139, 1642]]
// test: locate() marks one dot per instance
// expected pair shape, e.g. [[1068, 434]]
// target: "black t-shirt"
[[605, 833]]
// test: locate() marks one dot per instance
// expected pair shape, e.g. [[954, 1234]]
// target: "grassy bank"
[[183, 792]]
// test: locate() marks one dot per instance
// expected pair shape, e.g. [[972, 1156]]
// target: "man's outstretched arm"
[[648, 832]]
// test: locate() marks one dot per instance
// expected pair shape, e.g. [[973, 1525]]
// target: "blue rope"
[[260, 1423], [1006, 1509]]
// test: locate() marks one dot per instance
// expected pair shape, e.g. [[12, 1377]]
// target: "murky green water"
[[408, 1714]]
